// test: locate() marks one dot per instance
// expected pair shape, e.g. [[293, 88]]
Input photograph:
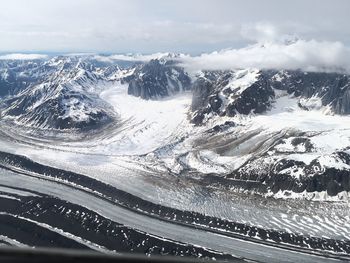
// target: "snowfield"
[[153, 151], [158, 136], [148, 124]]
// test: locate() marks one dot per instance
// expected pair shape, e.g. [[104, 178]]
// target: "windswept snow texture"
[[261, 149]]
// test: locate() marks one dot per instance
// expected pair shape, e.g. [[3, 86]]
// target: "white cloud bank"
[[132, 57], [307, 55], [20, 56], [300, 54]]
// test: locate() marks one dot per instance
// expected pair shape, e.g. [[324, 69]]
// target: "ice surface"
[[149, 150], [148, 124]]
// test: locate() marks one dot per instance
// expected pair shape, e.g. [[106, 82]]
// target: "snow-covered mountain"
[[63, 95], [284, 127], [274, 132], [17, 75], [230, 93], [158, 79], [253, 147], [252, 91]]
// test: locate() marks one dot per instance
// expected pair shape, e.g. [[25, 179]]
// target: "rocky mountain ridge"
[[270, 126]]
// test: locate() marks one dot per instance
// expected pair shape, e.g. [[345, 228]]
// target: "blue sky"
[[146, 26]]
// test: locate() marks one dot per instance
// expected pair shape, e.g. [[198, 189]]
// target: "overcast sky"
[[147, 26]]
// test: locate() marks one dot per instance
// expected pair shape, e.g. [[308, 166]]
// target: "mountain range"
[[269, 125]]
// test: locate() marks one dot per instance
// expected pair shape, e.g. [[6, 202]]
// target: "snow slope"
[[252, 124], [147, 124]]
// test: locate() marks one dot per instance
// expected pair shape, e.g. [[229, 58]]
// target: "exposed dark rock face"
[[230, 93], [303, 142], [224, 94], [158, 79], [255, 99], [331, 89], [291, 175], [222, 127], [203, 91]]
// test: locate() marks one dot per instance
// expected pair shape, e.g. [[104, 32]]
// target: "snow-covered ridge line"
[[298, 54], [22, 56], [65, 95], [249, 118], [306, 55]]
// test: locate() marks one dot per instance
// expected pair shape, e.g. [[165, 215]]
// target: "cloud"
[[267, 31], [131, 57], [309, 55], [152, 26], [260, 31], [20, 56]]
